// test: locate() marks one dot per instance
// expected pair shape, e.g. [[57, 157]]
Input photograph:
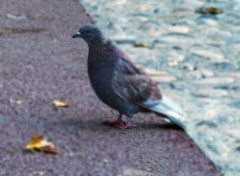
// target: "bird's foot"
[[125, 126], [115, 123]]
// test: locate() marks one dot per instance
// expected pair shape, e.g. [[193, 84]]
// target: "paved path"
[[41, 63]]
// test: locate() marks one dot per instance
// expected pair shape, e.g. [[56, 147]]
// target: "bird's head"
[[90, 33]]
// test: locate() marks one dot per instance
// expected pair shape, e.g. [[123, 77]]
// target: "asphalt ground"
[[41, 63]]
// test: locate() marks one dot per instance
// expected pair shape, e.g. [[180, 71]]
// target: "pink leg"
[[115, 123], [125, 126]]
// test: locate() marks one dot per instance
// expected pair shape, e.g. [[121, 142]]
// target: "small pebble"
[[179, 29], [215, 81], [164, 79], [209, 92], [208, 54], [135, 172], [153, 72]]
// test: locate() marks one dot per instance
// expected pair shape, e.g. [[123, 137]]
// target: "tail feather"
[[167, 108]]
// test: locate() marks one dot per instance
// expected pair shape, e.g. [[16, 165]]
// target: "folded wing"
[[133, 85]]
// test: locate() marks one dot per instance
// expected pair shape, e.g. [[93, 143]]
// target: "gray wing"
[[132, 84]]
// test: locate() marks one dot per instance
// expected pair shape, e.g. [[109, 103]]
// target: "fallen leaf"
[[50, 150], [60, 104], [37, 142], [209, 10], [41, 144], [140, 45]]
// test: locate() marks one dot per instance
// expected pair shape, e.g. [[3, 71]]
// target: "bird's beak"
[[77, 35]]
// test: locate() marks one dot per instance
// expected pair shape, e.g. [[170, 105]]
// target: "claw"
[[119, 123], [115, 123], [125, 126]]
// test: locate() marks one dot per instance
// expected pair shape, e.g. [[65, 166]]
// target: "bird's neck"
[[101, 51], [96, 48], [101, 58], [98, 45]]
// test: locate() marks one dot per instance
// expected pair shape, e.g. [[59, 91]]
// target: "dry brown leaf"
[[50, 150], [42, 144], [60, 104]]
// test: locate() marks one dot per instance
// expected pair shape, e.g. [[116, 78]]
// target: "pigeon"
[[122, 84]]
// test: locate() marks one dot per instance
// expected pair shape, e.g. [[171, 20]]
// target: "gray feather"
[[168, 108]]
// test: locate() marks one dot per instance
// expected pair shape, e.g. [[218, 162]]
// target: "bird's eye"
[[88, 31]]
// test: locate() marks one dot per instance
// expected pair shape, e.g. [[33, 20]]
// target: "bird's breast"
[[100, 75]]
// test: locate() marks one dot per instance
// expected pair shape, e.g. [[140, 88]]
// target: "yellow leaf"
[[60, 104], [42, 144]]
